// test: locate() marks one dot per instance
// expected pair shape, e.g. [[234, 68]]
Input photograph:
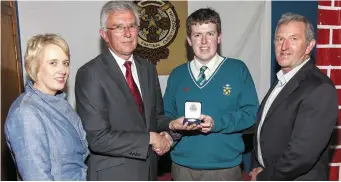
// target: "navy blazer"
[[297, 129]]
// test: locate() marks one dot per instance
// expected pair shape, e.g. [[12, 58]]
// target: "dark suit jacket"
[[297, 129], [117, 134]]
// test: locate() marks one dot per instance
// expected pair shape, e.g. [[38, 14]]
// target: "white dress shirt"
[[283, 79], [212, 65], [121, 62]]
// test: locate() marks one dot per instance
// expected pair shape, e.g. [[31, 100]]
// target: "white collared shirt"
[[283, 79], [212, 65], [121, 62]]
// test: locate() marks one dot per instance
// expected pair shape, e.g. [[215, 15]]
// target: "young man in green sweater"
[[229, 102]]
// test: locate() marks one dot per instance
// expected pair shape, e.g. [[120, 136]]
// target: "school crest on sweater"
[[227, 89]]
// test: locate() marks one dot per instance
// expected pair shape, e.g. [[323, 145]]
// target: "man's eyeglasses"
[[121, 28]]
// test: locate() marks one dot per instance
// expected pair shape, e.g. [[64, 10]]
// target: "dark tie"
[[202, 77], [133, 87]]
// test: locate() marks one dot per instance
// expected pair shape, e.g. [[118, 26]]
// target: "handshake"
[[162, 142]]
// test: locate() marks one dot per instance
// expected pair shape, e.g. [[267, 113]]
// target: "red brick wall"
[[329, 61]]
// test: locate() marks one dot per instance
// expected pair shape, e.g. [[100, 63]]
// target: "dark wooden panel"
[[7, 3], [11, 78], [6, 10]]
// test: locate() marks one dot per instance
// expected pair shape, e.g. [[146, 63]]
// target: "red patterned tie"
[[133, 87]]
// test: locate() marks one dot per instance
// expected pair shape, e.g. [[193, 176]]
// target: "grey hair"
[[309, 29], [115, 6]]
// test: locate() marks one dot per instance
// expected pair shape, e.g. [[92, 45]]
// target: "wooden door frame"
[[9, 8]]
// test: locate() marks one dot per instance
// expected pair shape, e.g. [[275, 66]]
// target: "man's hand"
[[167, 136], [207, 124], [178, 124], [161, 143], [255, 172]]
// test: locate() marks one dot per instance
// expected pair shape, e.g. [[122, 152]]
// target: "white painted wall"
[[245, 26]]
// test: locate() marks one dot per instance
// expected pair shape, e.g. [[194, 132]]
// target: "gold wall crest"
[[159, 24]]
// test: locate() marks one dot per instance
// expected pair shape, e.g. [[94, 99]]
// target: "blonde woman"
[[43, 132]]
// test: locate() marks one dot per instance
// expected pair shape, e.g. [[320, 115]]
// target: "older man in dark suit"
[[119, 100], [298, 114]]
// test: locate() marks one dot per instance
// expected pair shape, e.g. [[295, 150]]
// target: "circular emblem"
[[193, 108], [159, 24]]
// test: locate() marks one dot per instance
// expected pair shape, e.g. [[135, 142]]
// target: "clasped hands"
[[162, 142], [205, 126]]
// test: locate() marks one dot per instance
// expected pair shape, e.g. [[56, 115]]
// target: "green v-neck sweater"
[[229, 97]]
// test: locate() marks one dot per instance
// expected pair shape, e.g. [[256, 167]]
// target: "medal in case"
[[192, 112]]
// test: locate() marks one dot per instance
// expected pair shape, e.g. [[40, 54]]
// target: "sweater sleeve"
[[245, 115]]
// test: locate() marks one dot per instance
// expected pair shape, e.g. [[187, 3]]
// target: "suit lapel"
[[260, 112], [289, 87], [261, 108], [115, 73], [143, 79], [285, 92]]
